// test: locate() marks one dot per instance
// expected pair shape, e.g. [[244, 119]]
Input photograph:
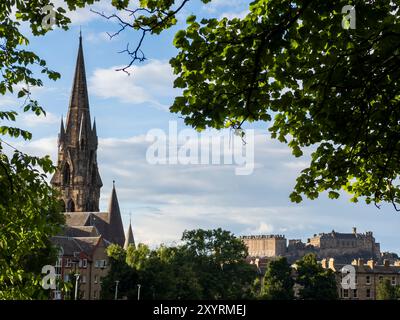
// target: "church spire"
[[79, 100], [77, 175]]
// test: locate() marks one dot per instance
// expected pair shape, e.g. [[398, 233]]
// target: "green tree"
[[316, 283], [29, 215], [119, 271], [278, 282], [208, 265], [385, 290], [220, 263]]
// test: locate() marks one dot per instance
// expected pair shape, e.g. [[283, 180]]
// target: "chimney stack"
[[354, 230], [331, 264], [386, 262], [370, 263]]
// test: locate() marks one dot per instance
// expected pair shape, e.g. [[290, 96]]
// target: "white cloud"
[[7, 102], [217, 5], [32, 120], [167, 199], [84, 15], [230, 15], [97, 37], [148, 83], [263, 228]]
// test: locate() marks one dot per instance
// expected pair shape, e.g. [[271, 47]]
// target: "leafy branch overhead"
[[315, 84]]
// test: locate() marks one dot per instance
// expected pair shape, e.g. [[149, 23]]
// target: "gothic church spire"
[[77, 175]]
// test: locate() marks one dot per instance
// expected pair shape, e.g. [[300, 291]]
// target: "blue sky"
[[164, 200]]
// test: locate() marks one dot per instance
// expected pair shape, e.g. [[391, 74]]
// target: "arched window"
[[66, 174], [71, 206]]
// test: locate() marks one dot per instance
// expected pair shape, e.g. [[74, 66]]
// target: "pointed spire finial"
[[129, 239]]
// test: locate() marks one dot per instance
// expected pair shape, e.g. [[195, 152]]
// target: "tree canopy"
[[315, 80], [293, 65], [278, 281], [29, 211], [386, 291], [316, 283], [209, 264]]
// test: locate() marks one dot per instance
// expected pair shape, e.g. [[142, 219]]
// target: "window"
[[368, 280], [66, 174], [345, 293], [95, 294], [393, 281], [368, 293], [83, 294], [83, 279], [355, 294], [96, 279], [76, 254], [68, 263], [101, 263], [82, 263], [66, 277], [71, 206], [57, 295]]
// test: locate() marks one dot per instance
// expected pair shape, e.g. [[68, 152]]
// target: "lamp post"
[[76, 285], [138, 293], [116, 290]]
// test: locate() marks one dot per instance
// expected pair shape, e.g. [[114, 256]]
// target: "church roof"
[[116, 230], [76, 218], [108, 224], [71, 245], [80, 231]]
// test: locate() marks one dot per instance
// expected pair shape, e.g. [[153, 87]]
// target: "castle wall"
[[265, 246]]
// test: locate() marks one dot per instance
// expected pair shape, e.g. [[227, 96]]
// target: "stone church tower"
[[77, 176]]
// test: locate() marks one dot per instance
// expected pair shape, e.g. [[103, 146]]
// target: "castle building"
[[87, 231], [342, 246], [361, 245], [265, 245]]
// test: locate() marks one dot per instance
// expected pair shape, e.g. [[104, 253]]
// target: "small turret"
[[116, 233], [61, 135], [129, 240]]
